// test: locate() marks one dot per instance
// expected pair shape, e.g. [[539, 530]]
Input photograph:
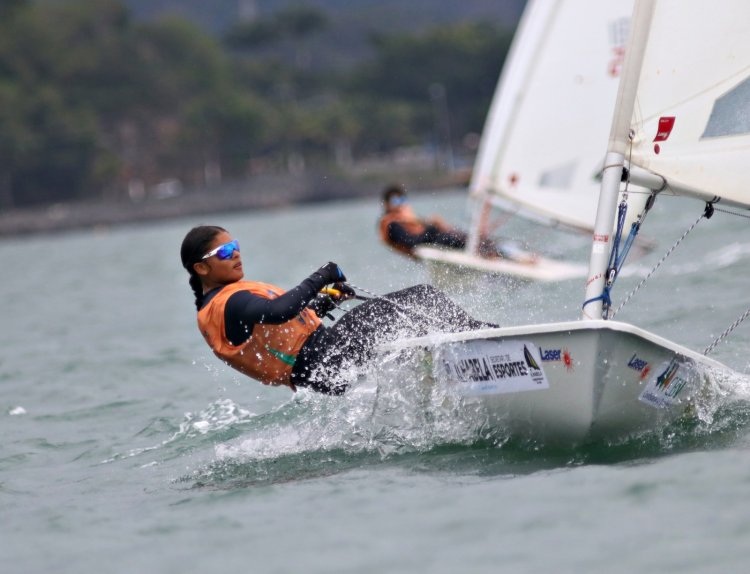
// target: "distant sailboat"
[[541, 150], [681, 121]]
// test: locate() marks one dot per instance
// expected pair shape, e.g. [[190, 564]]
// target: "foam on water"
[[725, 403], [392, 419], [390, 416], [219, 416]]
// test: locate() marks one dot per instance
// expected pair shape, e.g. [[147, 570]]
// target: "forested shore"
[[96, 107], [262, 192]]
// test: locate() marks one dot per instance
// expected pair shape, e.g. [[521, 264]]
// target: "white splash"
[[219, 415], [725, 389], [389, 410]]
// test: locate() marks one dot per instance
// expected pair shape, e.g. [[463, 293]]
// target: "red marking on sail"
[[666, 124], [615, 64]]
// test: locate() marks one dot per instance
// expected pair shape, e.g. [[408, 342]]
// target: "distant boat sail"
[[541, 149]]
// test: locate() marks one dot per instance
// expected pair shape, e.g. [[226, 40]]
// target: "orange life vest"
[[411, 223], [269, 354]]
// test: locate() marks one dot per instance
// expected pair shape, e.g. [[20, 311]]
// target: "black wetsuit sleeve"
[[244, 310], [400, 236]]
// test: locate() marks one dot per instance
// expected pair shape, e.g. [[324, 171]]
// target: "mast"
[[615, 159]]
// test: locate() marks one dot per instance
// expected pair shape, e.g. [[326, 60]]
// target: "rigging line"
[[728, 212], [658, 264], [726, 333], [395, 305], [617, 256], [404, 309]]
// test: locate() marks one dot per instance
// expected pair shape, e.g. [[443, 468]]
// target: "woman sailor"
[[276, 336]]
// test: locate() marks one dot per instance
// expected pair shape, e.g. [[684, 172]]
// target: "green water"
[[127, 447]]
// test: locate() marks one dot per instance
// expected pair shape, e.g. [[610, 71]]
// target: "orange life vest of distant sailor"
[[406, 219], [269, 354]]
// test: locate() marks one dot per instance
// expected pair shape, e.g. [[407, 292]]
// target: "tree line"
[[94, 104]]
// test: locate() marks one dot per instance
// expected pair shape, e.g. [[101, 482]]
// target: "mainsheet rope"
[[401, 308]]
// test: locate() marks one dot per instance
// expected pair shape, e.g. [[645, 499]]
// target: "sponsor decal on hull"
[[492, 367], [663, 389], [638, 364], [557, 355]]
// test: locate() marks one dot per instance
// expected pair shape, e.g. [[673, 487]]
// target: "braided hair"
[[194, 247]]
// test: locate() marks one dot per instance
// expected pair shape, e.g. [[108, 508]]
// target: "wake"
[[393, 416]]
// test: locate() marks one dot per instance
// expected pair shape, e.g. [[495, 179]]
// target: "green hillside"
[[110, 99], [350, 23]]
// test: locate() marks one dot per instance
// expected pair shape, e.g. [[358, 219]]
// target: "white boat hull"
[[595, 379], [542, 269]]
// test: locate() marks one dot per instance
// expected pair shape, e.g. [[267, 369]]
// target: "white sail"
[[542, 147], [682, 111], [691, 108]]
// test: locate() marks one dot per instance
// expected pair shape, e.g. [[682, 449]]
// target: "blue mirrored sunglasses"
[[398, 200], [224, 251]]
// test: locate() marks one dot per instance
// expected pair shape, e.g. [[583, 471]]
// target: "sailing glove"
[[346, 292], [331, 273], [322, 305]]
